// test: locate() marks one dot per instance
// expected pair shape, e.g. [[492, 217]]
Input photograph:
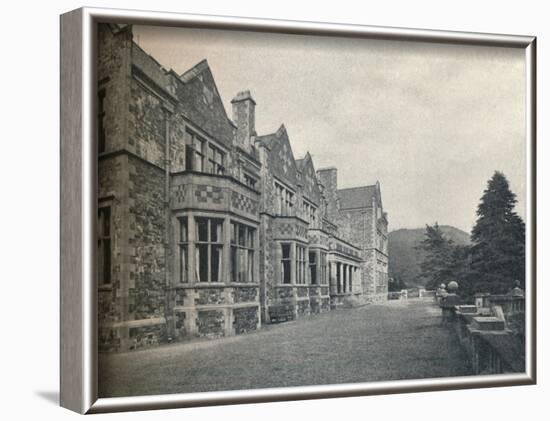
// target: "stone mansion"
[[207, 228]]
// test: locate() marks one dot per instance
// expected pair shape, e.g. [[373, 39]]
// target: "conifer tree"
[[438, 264], [498, 240]]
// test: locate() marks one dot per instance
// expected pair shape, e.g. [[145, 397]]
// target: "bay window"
[[183, 250], [242, 253], [202, 155], [313, 267], [285, 263], [208, 249], [300, 265], [215, 160]]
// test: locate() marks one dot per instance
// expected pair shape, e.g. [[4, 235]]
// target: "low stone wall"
[[491, 347]]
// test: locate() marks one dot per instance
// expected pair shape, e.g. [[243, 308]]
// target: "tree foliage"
[[496, 258], [444, 261], [498, 240]]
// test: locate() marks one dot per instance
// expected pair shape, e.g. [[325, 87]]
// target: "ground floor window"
[[285, 263], [338, 278], [301, 265], [313, 267], [324, 272], [242, 253], [104, 245], [208, 249], [183, 250]]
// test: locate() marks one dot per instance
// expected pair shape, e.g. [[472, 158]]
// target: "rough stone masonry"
[[205, 227]]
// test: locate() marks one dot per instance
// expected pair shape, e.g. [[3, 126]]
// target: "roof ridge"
[[357, 187], [195, 70]]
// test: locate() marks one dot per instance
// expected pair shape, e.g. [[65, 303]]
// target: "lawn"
[[397, 340]]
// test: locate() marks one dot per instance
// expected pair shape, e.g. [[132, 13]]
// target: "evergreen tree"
[[498, 238], [440, 261]]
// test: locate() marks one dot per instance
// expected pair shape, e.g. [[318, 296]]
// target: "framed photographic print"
[[259, 210]]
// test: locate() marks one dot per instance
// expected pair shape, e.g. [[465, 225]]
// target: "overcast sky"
[[430, 122]]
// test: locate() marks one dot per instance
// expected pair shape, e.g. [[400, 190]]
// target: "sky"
[[430, 122]]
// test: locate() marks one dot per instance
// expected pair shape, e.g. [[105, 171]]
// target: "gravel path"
[[397, 340]]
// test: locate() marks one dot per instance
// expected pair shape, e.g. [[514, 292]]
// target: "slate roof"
[[201, 103], [357, 197], [195, 90], [309, 179], [280, 156]]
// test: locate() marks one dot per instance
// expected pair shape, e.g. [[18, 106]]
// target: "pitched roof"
[[201, 102], [280, 156], [300, 163], [311, 188], [357, 197]]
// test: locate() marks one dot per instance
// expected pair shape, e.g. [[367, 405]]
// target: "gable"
[[281, 158], [311, 189], [201, 103]]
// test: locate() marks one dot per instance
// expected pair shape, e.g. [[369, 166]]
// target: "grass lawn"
[[397, 340]]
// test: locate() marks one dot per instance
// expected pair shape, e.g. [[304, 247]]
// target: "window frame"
[[244, 248], [211, 156], [101, 130], [208, 245], [301, 264], [183, 249], [284, 198], [287, 260], [313, 268], [101, 240]]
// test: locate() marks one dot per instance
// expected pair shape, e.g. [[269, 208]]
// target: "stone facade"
[[207, 229]]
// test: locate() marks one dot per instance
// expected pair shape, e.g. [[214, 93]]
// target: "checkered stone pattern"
[[313, 239], [209, 194], [244, 203], [286, 230], [179, 194]]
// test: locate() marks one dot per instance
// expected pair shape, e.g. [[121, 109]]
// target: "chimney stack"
[[244, 116], [329, 179]]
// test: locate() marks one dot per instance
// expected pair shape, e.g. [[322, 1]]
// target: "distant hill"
[[405, 259]]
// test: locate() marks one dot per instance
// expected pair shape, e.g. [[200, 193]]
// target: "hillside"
[[405, 259]]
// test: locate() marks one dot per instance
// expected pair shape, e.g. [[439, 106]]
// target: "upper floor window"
[[203, 156], [104, 245], [250, 181], [310, 212], [215, 160], [284, 200], [101, 121]]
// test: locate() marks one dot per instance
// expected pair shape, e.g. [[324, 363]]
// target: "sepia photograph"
[[283, 210]]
